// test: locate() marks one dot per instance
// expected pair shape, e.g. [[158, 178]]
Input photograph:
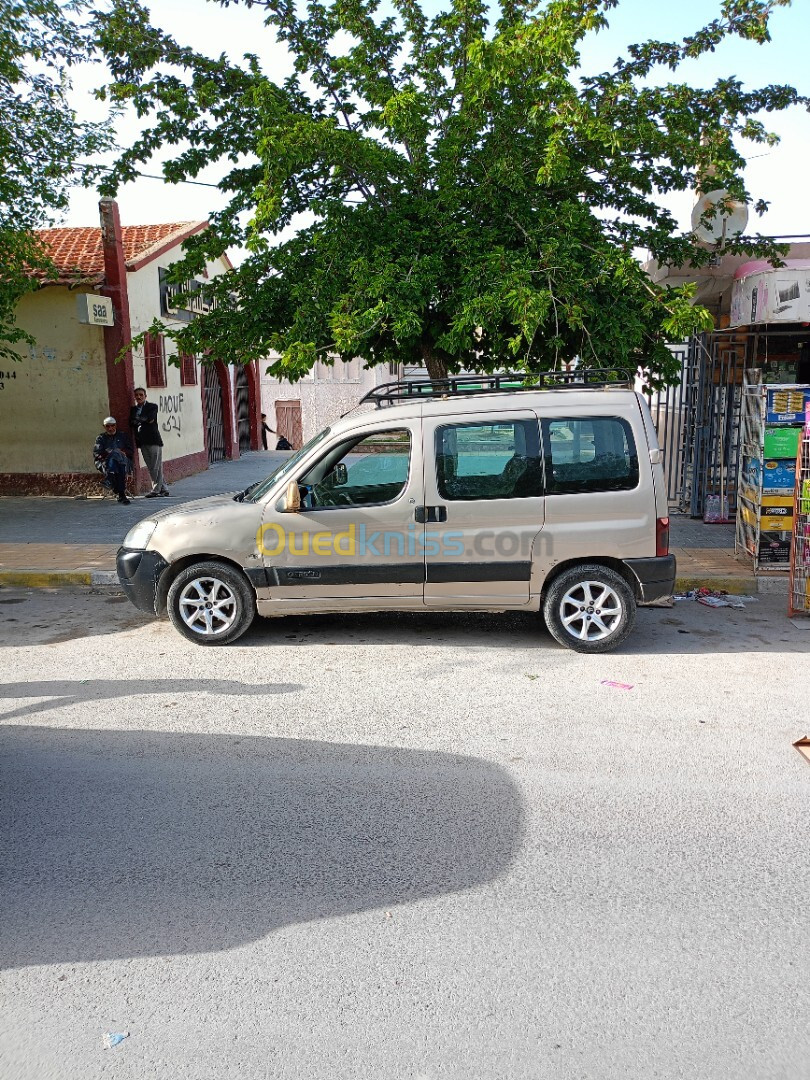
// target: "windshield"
[[257, 491]]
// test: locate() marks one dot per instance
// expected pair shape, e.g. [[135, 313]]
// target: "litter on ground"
[[716, 598], [617, 685], [113, 1038]]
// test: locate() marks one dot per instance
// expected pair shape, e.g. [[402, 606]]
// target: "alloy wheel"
[[208, 606], [590, 611]]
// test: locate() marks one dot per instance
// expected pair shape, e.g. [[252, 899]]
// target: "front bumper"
[[139, 573], [655, 577]]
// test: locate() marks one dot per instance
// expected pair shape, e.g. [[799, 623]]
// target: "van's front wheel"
[[211, 603], [590, 608]]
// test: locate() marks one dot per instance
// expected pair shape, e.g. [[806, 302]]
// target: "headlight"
[[140, 535]]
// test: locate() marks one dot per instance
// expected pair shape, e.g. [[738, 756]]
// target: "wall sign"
[[95, 310], [772, 296]]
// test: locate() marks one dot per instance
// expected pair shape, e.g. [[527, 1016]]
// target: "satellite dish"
[[729, 219]]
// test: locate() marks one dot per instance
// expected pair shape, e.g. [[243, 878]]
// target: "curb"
[[737, 586], [55, 579]]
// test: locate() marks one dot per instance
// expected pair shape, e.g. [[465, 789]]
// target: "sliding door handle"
[[430, 514]]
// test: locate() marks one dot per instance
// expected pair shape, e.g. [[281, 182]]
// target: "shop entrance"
[[214, 413], [242, 409]]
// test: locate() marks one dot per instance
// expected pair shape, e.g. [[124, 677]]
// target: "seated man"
[[112, 456]]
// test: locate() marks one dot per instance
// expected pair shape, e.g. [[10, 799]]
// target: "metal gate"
[[214, 422], [288, 422], [698, 421], [243, 409]]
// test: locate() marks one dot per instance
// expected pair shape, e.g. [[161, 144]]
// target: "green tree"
[[468, 199], [41, 141]]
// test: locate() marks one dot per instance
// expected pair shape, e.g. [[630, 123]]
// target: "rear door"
[[483, 508], [600, 497]]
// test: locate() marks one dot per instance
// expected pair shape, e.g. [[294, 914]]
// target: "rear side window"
[[498, 460], [594, 453]]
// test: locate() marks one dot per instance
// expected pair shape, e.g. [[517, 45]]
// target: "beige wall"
[[52, 407], [53, 401]]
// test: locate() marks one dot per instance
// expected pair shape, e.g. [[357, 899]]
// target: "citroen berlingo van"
[[496, 493]]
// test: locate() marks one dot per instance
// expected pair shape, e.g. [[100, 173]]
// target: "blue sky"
[[779, 175]]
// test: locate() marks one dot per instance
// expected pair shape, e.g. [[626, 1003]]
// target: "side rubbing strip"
[[392, 574], [498, 571]]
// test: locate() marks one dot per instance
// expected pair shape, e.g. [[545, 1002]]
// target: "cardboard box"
[[786, 404], [779, 474], [773, 519], [777, 500], [774, 524], [782, 442], [774, 548]]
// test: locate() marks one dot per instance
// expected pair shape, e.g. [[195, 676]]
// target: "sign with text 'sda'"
[[95, 310]]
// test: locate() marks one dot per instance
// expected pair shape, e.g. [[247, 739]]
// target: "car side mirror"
[[340, 474], [292, 498]]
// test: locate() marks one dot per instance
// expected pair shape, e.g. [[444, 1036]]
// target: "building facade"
[[762, 320], [298, 411], [112, 287]]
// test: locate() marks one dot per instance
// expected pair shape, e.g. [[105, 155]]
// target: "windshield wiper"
[[240, 496]]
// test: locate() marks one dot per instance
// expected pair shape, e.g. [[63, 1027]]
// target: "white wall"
[[180, 413], [326, 394]]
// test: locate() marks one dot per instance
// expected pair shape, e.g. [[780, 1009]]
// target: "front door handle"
[[430, 514]]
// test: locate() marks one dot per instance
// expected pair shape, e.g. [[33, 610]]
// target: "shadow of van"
[[125, 844]]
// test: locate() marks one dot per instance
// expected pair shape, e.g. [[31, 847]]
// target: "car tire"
[[211, 603], [589, 608]]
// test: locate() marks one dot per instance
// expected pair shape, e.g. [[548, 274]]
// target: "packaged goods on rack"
[[786, 404], [799, 589], [772, 432]]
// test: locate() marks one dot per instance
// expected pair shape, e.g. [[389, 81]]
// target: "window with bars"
[[154, 351], [188, 370]]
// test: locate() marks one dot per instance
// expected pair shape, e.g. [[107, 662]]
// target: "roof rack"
[[507, 383]]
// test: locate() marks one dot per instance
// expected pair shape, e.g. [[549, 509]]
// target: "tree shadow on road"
[[125, 844], [59, 692]]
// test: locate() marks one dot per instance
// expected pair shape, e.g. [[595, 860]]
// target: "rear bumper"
[[139, 573], [655, 577]]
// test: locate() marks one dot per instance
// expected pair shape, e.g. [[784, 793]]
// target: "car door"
[[355, 536], [483, 508]]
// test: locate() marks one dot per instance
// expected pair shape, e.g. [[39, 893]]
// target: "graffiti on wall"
[[171, 406]]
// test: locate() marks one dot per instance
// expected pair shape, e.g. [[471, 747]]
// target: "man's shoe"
[[123, 500], [166, 494], [151, 494]]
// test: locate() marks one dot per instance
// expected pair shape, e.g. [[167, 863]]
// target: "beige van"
[[472, 494]]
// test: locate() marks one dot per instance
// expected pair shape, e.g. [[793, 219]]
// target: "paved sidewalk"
[[51, 541]]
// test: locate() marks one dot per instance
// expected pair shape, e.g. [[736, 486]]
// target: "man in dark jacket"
[[143, 424], [112, 456]]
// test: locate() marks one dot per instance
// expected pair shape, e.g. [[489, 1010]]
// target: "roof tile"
[[78, 252]]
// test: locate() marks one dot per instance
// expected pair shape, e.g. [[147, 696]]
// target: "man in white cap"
[[112, 455]]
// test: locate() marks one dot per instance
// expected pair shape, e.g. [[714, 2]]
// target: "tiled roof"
[[78, 253]]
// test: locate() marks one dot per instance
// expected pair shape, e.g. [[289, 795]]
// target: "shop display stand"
[[799, 590], [772, 415]]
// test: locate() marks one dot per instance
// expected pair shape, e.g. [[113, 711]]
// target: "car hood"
[[208, 503]]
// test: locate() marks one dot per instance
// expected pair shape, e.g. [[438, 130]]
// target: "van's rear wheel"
[[590, 608], [211, 603]]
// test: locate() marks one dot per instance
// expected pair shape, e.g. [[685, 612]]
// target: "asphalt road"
[[413, 846]]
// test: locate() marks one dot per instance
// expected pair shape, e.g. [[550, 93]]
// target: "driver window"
[[365, 472]]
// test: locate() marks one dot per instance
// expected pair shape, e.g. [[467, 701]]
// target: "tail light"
[[662, 536]]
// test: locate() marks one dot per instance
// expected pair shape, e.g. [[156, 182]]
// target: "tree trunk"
[[436, 367]]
